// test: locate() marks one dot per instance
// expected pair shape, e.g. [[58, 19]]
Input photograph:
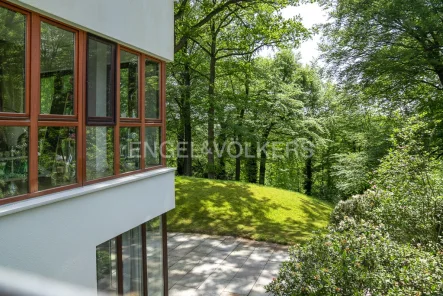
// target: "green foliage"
[[386, 241], [103, 263], [358, 259], [351, 173]]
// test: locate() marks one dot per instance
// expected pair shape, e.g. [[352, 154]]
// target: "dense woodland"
[[340, 118], [365, 124]]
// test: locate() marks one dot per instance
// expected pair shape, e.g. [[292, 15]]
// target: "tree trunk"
[[187, 124], [263, 157], [263, 154], [221, 149], [251, 163], [239, 137], [211, 109], [308, 181], [238, 148]]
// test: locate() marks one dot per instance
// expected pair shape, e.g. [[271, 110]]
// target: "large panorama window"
[[75, 108], [133, 263]]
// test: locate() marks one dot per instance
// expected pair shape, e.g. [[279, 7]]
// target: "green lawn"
[[246, 210]]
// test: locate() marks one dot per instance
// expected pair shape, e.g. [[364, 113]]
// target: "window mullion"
[[35, 99], [117, 114], [81, 95], [119, 265], [142, 109], [163, 111], [145, 258]]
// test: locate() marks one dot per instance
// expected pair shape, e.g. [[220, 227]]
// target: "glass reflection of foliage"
[[99, 152], [152, 88], [132, 262], [106, 259], [128, 85], [100, 78], [12, 61], [14, 147], [129, 149], [154, 247], [152, 146], [56, 70], [57, 157]]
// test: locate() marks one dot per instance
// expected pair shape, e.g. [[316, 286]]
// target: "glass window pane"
[[13, 160], [152, 146], [154, 249], [129, 149], [100, 78], [12, 61], [152, 88], [132, 262], [106, 259], [56, 157], [56, 70], [128, 85], [99, 152]]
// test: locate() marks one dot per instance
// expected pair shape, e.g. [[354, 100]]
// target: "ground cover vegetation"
[[246, 210], [363, 130]]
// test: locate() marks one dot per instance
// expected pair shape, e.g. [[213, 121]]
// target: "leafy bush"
[[358, 259], [351, 171], [386, 241], [407, 192]]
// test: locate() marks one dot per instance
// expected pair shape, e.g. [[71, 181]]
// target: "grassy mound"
[[246, 210]]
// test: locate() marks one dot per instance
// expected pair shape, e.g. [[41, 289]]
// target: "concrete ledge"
[[77, 192]]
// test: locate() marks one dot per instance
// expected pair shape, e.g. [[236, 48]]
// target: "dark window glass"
[[154, 249], [99, 152], [128, 85], [106, 258], [56, 157], [152, 146], [129, 149], [132, 262], [100, 80], [12, 61], [152, 88], [56, 70], [13, 161]]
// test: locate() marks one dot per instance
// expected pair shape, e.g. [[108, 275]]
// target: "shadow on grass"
[[229, 208]]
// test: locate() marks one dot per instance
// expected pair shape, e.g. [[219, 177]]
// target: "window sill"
[[24, 205]]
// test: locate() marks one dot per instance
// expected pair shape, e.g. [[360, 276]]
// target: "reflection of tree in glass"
[[152, 146], [152, 88], [56, 70], [129, 149], [12, 61], [99, 152], [128, 84], [57, 157], [13, 160]]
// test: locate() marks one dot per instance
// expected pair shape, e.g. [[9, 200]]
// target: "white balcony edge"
[[31, 203]]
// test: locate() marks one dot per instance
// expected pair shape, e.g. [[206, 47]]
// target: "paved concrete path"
[[207, 265]]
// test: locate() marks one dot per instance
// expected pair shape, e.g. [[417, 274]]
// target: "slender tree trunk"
[[221, 148], [263, 155], [238, 148], [251, 163], [308, 181], [239, 137], [211, 109], [187, 124]]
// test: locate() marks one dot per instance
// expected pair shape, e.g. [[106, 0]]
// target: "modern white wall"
[[56, 235], [147, 25]]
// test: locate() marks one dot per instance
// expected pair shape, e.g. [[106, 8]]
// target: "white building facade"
[[84, 186]]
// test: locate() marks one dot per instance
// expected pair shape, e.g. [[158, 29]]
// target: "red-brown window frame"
[[33, 119]]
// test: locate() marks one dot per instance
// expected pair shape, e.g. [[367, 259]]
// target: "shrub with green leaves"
[[358, 259]]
